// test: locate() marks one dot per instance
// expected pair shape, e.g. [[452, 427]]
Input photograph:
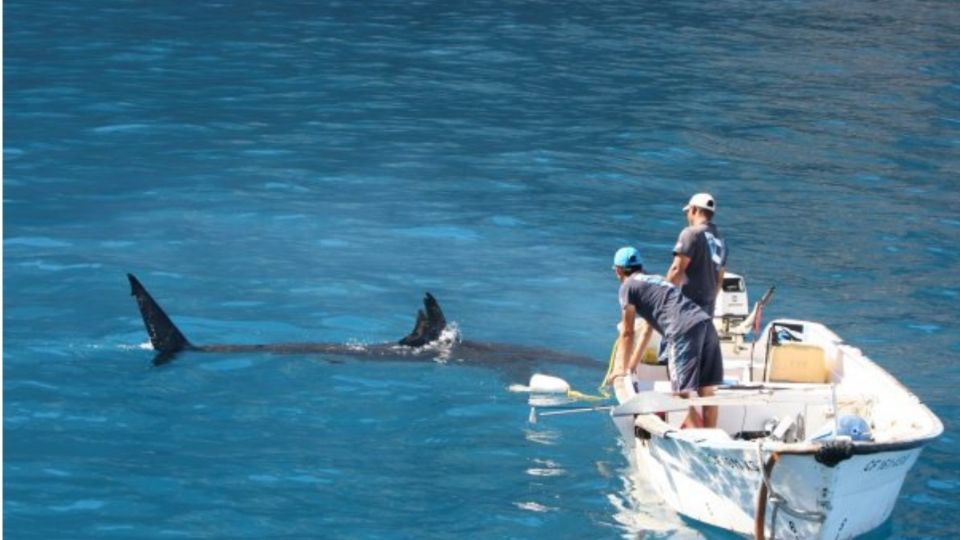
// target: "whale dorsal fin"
[[429, 325], [165, 337]]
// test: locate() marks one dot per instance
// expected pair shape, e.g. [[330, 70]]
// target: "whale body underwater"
[[428, 341]]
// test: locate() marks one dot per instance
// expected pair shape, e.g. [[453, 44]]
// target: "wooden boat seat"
[[798, 363]]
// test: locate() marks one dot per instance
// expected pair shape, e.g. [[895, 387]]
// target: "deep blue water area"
[[304, 171]]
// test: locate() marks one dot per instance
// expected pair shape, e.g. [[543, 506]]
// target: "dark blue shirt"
[[708, 253], [661, 304]]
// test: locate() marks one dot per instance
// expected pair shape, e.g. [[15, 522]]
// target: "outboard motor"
[[732, 307]]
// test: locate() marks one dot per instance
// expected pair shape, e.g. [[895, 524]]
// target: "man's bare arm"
[[720, 280], [678, 269], [638, 354], [625, 344]]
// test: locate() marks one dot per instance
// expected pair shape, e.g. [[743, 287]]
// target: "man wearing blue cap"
[[691, 342]]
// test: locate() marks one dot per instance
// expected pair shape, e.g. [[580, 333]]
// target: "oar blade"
[[650, 402]]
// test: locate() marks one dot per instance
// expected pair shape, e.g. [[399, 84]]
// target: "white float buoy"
[[546, 384]]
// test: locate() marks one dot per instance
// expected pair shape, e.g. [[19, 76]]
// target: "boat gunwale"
[[648, 421], [857, 448]]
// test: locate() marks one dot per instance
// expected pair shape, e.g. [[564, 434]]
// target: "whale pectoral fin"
[[165, 337]]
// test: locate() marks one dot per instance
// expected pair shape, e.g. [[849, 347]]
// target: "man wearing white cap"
[[700, 256]]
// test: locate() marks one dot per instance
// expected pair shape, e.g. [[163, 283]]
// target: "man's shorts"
[[694, 359]]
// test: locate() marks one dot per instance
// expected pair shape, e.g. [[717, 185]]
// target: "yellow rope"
[[604, 394], [613, 359], [573, 394]]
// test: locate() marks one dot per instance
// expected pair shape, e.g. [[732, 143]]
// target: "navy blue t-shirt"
[[708, 254], [661, 304]]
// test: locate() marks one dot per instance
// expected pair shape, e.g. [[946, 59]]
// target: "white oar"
[[653, 402], [534, 415], [553, 393]]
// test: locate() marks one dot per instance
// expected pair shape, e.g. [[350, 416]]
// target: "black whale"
[[425, 341]]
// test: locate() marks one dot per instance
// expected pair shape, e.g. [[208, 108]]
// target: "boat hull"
[[720, 484], [779, 464]]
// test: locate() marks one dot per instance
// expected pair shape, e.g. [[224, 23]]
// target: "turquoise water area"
[[304, 171]]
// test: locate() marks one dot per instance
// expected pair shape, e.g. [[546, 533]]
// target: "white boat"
[[814, 440]]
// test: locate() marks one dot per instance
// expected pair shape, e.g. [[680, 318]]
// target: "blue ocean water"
[[304, 171]]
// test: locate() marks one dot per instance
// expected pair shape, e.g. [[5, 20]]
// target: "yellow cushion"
[[798, 363]]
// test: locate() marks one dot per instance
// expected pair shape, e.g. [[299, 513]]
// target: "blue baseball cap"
[[628, 257]]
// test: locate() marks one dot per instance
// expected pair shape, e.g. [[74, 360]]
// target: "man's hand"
[[612, 378]]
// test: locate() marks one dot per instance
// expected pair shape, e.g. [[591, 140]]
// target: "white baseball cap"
[[701, 200]]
